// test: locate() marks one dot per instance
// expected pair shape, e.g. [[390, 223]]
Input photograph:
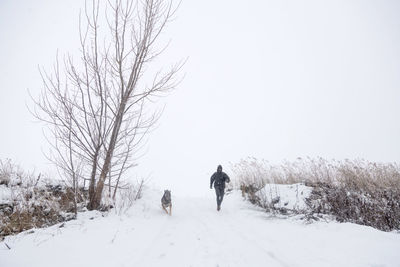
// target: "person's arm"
[[212, 179], [226, 178]]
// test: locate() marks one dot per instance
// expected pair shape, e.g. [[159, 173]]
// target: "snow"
[[290, 196], [197, 235], [5, 194]]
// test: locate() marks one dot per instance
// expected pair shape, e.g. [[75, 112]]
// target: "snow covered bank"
[[197, 235], [28, 201], [35, 201], [357, 191], [291, 197]]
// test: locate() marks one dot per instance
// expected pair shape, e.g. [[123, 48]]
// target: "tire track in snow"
[[177, 240], [236, 240]]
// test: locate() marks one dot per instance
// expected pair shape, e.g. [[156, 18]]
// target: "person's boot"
[[219, 207]]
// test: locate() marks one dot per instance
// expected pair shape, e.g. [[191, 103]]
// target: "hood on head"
[[219, 169]]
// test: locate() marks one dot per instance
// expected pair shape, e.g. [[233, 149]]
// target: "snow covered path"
[[197, 235]]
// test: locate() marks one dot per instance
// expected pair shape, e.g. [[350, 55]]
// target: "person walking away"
[[219, 178]]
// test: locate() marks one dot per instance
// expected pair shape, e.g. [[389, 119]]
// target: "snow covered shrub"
[[356, 191], [4, 174], [249, 191], [379, 208], [7, 169], [29, 201], [278, 198], [128, 195], [260, 183]]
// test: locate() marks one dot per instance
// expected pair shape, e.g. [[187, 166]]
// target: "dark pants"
[[219, 191]]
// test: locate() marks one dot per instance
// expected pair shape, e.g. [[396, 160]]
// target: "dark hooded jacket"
[[219, 178]]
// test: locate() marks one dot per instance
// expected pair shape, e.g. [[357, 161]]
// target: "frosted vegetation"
[[356, 191], [28, 200]]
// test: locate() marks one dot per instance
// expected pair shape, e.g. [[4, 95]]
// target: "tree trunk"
[[95, 202], [92, 183]]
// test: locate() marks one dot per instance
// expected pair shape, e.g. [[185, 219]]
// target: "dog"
[[166, 201]]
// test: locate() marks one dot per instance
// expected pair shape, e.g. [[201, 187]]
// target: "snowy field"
[[197, 235]]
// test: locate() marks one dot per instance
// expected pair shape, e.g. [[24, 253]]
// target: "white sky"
[[270, 79]]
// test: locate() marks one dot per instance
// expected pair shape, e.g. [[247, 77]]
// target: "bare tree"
[[98, 108]]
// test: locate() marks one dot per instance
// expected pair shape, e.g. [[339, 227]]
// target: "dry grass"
[[356, 191], [28, 201], [359, 174], [127, 197]]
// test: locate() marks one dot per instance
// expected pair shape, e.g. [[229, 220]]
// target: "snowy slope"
[[288, 196], [197, 235]]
